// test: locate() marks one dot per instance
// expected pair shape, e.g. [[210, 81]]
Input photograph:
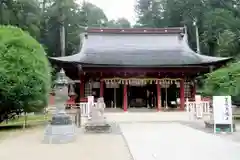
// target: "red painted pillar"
[[182, 94], [158, 96], [101, 88], [125, 98], [82, 87]]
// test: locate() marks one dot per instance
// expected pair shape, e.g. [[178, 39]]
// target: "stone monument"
[[97, 122], [61, 128]]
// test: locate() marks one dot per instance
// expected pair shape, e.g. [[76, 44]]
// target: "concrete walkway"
[[173, 141]]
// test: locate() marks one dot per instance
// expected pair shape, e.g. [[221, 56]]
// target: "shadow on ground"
[[16, 127]]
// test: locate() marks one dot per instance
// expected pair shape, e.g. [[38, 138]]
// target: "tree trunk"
[[25, 120]]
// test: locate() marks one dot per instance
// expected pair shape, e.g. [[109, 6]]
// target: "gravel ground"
[[87, 147], [199, 125], [90, 146]]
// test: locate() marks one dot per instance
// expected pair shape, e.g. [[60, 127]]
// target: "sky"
[[117, 8]]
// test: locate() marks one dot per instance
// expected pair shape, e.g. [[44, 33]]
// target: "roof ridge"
[[171, 30]]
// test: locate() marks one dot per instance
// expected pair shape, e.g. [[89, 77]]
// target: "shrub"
[[224, 81], [24, 73]]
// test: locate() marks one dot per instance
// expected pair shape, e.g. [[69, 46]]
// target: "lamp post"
[[197, 34]]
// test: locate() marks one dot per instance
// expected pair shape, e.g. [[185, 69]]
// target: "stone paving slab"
[[147, 117], [87, 147], [174, 141], [199, 125]]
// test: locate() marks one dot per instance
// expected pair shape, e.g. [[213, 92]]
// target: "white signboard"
[[222, 110]]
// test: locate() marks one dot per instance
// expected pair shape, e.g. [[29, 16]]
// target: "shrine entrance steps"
[[146, 116], [141, 110]]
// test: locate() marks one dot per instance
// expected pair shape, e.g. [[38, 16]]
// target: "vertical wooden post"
[[51, 99], [158, 96], [101, 88], [125, 97], [194, 90], [115, 97], [82, 87], [182, 94]]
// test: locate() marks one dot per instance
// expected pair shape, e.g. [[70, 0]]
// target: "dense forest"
[[218, 21]]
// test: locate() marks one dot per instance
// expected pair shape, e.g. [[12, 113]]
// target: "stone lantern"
[[61, 128]]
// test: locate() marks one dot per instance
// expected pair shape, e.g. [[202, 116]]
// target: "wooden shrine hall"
[[148, 67]]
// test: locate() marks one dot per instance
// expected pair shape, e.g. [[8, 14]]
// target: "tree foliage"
[[216, 20], [224, 81], [24, 73], [43, 19], [119, 23]]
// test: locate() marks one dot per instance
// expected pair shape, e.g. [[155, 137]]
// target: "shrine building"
[[126, 66]]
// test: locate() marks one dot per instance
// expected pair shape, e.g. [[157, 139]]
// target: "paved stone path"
[[173, 141]]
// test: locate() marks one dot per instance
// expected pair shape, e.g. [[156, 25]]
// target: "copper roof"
[[138, 47]]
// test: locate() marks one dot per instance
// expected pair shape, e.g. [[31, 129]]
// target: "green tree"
[[119, 23], [24, 73], [71, 15], [75, 18], [213, 17], [95, 15], [22, 13], [216, 24], [224, 81], [150, 13]]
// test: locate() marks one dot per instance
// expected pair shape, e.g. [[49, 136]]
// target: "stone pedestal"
[[97, 127], [61, 129], [97, 123]]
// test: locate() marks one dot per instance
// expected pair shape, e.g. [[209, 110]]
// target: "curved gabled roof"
[[142, 47]]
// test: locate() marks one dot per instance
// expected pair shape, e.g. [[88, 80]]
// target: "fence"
[[198, 109], [85, 109]]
